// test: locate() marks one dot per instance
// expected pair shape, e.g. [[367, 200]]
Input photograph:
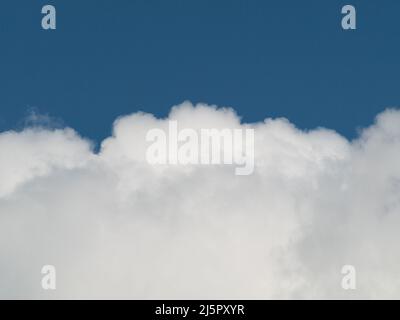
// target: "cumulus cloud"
[[115, 226]]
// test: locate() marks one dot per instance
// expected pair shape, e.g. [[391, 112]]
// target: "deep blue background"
[[264, 58]]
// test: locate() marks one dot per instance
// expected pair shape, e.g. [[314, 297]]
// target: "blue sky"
[[263, 58]]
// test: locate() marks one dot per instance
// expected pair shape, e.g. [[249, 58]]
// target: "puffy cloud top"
[[115, 226]]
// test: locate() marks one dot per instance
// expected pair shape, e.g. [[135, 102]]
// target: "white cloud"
[[116, 227]]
